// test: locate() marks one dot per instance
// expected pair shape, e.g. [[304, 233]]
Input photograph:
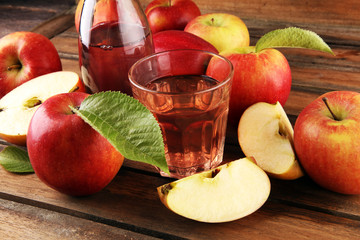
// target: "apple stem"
[[77, 108], [74, 89], [325, 100], [15, 66]]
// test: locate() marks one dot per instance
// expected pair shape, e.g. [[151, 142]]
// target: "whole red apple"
[[170, 14], [263, 76], [24, 56], [177, 39], [66, 153], [328, 143]]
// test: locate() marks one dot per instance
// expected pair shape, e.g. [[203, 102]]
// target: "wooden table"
[[129, 207]]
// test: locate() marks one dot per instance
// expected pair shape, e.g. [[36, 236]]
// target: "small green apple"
[[224, 31]]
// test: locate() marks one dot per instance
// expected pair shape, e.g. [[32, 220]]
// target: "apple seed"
[[282, 130], [32, 102]]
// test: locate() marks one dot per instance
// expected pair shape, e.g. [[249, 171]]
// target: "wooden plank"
[[311, 11], [24, 15], [20, 221], [57, 24], [307, 194], [67, 43], [134, 202], [297, 101]]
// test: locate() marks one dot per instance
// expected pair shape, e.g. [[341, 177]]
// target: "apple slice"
[[266, 134], [226, 193], [18, 106]]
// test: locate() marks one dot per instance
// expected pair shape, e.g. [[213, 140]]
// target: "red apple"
[[224, 31], [258, 77], [66, 153], [24, 56], [327, 144], [176, 39], [170, 14]]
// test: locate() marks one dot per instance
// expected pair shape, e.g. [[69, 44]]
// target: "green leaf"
[[15, 160], [127, 124], [292, 37]]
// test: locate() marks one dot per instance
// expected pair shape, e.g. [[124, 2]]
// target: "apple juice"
[[193, 123], [109, 51]]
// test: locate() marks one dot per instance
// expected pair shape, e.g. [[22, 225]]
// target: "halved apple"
[[18, 106], [266, 134], [226, 193]]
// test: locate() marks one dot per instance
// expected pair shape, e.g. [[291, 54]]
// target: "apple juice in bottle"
[[113, 34]]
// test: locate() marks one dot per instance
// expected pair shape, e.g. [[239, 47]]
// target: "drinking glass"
[[190, 104]]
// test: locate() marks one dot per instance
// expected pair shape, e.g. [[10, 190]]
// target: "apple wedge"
[[266, 134], [226, 193], [18, 106]]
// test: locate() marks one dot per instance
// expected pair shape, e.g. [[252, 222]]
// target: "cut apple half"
[[18, 106], [226, 193], [266, 134]]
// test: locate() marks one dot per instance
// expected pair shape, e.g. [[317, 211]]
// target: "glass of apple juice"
[[190, 105]]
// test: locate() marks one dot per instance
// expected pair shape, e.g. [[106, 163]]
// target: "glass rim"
[[221, 84]]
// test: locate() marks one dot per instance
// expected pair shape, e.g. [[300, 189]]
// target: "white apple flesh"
[[18, 106], [226, 193], [266, 134]]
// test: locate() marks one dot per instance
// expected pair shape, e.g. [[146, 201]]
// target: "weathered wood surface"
[[129, 207], [24, 221], [23, 15]]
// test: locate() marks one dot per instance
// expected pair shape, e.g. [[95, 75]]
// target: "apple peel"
[[265, 133], [226, 193]]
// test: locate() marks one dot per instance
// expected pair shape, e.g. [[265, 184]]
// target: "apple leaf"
[[127, 124], [292, 37], [15, 160]]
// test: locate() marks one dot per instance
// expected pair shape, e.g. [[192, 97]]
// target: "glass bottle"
[[113, 34]]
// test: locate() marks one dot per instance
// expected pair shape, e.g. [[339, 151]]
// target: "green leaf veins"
[[127, 124]]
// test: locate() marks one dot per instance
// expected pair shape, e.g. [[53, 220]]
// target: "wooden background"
[[129, 207]]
